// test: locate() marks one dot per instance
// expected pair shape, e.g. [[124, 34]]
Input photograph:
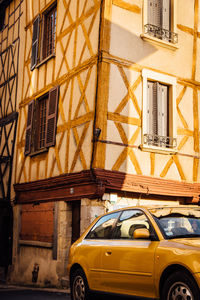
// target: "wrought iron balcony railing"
[[159, 141], [161, 33]]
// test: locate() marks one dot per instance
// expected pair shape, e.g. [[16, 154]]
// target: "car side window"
[[103, 228], [129, 221]]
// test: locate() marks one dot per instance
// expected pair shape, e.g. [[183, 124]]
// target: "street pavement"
[[12, 292], [9, 292], [32, 295]]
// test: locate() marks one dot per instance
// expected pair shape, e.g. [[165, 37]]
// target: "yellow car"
[[144, 252]]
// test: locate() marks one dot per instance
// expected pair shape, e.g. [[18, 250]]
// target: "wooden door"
[[75, 220]]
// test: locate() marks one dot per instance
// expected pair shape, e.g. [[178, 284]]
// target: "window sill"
[[35, 244], [45, 60], [44, 150], [156, 149], [159, 42]]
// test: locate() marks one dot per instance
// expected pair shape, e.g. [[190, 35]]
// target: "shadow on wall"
[[128, 45]]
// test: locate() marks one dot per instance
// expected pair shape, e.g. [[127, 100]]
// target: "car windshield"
[[178, 222]]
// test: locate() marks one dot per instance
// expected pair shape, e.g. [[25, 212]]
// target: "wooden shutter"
[[35, 42], [52, 117], [166, 14], [37, 222], [29, 127]]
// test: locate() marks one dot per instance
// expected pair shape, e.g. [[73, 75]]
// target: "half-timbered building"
[[108, 116], [10, 19]]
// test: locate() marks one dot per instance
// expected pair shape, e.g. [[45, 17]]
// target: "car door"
[[128, 264], [92, 245]]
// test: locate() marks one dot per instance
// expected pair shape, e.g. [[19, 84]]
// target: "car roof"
[[150, 208]]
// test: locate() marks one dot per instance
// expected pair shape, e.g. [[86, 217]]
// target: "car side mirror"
[[141, 233]]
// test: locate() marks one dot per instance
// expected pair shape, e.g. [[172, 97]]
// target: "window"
[[159, 126], [159, 20], [49, 33], [157, 114], [41, 122], [2, 17], [47, 28], [103, 228], [129, 221]]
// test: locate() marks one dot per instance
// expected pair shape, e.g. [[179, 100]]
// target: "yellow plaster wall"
[[74, 69], [128, 55]]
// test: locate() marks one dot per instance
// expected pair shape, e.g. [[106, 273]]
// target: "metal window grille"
[[161, 33], [159, 141]]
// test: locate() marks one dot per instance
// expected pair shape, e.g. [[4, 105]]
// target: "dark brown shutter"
[[29, 128], [35, 41], [37, 222], [52, 117]]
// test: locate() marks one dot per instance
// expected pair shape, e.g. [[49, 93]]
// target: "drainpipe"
[[96, 131]]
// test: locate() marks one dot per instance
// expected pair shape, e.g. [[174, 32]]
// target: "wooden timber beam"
[[76, 186]]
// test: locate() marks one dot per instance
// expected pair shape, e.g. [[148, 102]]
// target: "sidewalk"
[[9, 287]]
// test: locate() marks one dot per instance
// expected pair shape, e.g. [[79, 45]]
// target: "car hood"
[[182, 243], [195, 242]]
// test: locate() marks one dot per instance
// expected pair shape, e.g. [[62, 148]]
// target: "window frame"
[[155, 40], [32, 128], [88, 237], [43, 47], [112, 234], [148, 75], [128, 238], [2, 17], [38, 104], [39, 25]]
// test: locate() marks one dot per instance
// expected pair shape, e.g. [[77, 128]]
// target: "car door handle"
[[108, 253]]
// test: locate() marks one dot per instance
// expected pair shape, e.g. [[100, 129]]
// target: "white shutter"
[[162, 113], [166, 14], [150, 108], [154, 12], [155, 108], [164, 110], [157, 13], [150, 12], [159, 112]]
